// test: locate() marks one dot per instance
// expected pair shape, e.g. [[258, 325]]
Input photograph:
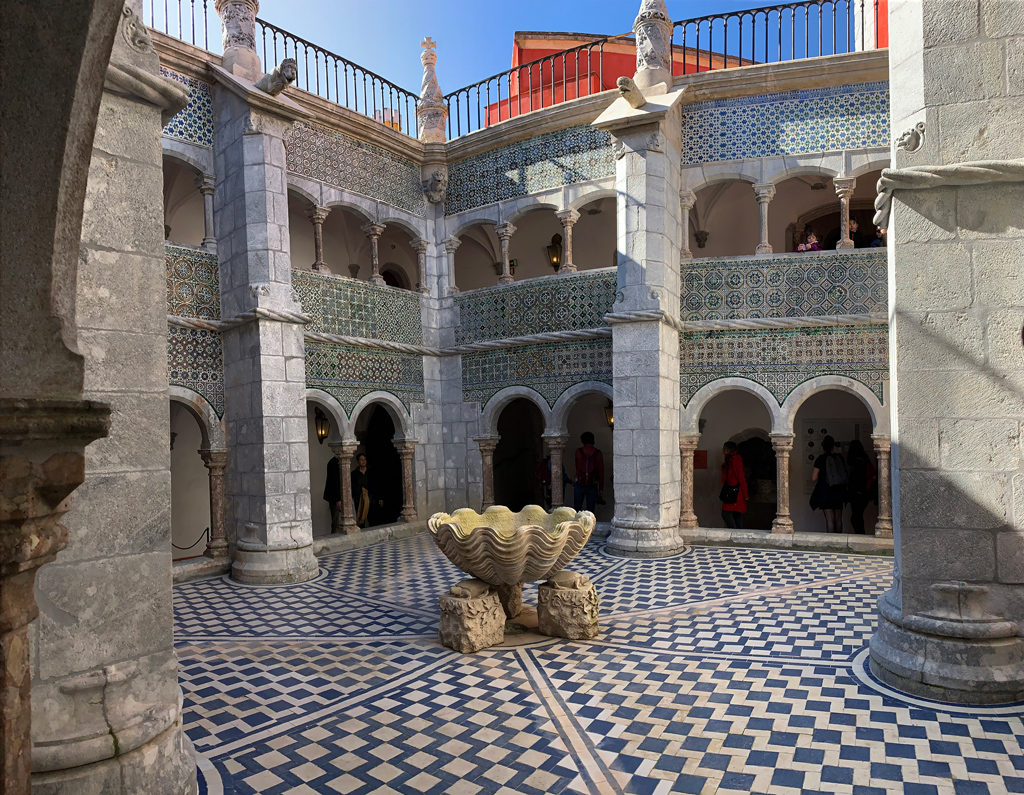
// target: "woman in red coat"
[[734, 487]]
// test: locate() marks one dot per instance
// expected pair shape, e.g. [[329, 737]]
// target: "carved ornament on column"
[[431, 111], [568, 219], [883, 448], [420, 246], [216, 462], [782, 444], [317, 215], [238, 21], [844, 190], [556, 447], [653, 31], [487, 445], [764, 195], [687, 447], [206, 184], [345, 452], [505, 232], [451, 245], [687, 201], [373, 231], [406, 449]]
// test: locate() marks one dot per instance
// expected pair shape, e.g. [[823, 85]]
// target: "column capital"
[[486, 443], [451, 244], [318, 214], [687, 199], [568, 217], [214, 459], [373, 229], [844, 186], [782, 441], [555, 440], [405, 447], [206, 184], [688, 442], [420, 245], [881, 442], [764, 192], [505, 230]]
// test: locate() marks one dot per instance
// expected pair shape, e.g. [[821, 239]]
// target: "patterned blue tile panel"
[[194, 122], [193, 283], [550, 369], [550, 303], [787, 123], [801, 285], [782, 359], [350, 373], [576, 154], [195, 360], [336, 159], [359, 309]]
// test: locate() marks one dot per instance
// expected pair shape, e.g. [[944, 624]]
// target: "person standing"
[[862, 483], [734, 493], [332, 491], [856, 236], [364, 498], [589, 484], [831, 479]]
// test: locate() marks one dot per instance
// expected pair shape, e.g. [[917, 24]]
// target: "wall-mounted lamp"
[[323, 425], [609, 415], [554, 252]]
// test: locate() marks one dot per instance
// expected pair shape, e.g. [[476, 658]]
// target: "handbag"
[[729, 494]]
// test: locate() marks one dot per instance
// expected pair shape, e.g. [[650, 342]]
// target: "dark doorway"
[[759, 468], [375, 431], [517, 455]]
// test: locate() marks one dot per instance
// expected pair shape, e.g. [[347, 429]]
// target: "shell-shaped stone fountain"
[[503, 548]]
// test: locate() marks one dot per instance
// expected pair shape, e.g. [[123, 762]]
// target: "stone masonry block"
[[1010, 556], [979, 445], [471, 617], [567, 607], [925, 216], [919, 444], [938, 340], [947, 554], [1003, 340], [997, 272], [1002, 18], [931, 277], [954, 500], [990, 211]]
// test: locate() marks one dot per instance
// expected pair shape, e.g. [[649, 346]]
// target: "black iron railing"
[[192, 21]]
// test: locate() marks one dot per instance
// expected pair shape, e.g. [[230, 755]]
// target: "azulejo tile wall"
[[359, 309], [829, 283], [576, 154], [782, 359], [195, 361], [787, 123], [193, 283], [194, 122], [335, 159], [552, 303], [549, 369], [350, 373]]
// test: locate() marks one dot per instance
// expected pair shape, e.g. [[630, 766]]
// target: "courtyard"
[[717, 670]]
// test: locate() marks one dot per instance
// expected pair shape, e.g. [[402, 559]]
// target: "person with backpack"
[[830, 478], [589, 483], [734, 487], [862, 483]]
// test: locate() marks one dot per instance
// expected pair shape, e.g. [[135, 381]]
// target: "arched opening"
[[183, 204], [398, 264], [724, 221], [589, 413], [795, 198], [478, 257], [300, 233], [593, 236], [844, 417], [535, 231], [735, 415], [320, 455], [825, 222], [190, 485], [518, 455], [375, 430]]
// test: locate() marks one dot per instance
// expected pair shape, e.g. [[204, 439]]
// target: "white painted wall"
[[190, 484]]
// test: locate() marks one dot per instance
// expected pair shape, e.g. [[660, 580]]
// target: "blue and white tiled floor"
[[718, 670]]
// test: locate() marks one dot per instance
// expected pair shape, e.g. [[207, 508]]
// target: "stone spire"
[[653, 30], [431, 112], [238, 20]]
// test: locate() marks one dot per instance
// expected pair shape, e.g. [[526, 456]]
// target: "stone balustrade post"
[[687, 447], [373, 232], [487, 445], [238, 22], [505, 232], [345, 452], [764, 195], [782, 444], [883, 524], [568, 219], [687, 200], [844, 190], [406, 451], [216, 462], [420, 246], [556, 447], [317, 215], [206, 187], [451, 245]]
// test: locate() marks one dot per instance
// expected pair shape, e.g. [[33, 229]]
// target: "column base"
[[983, 663], [782, 525], [883, 529], [689, 522], [408, 515], [628, 540], [764, 248], [260, 565], [218, 549]]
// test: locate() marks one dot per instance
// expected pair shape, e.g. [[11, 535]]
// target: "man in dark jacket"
[[332, 492]]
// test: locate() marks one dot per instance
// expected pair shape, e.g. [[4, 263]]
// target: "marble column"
[[345, 452], [317, 215], [216, 462], [406, 451], [556, 448], [687, 447], [782, 444], [420, 246], [373, 232], [844, 190], [568, 219], [687, 200], [883, 524], [451, 245], [487, 445], [206, 186], [764, 195], [505, 232]]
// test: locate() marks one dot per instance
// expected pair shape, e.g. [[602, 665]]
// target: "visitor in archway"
[[856, 235], [589, 484], [879, 241], [366, 501], [831, 479], [862, 483], [734, 487], [332, 491], [811, 244]]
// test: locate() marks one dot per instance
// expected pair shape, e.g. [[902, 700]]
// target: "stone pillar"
[[687, 447], [556, 447], [505, 232], [238, 21], [883, 524], [844, 190], [317, 215], [951, 625], [216, 461], [687, 199], [451, 245], [764, 195], [420, 246], [568, 219], [406, 450], [487, 444], [345, 452], [782, 444], [206, 185], [373, 232], [431, 110], [653, 31]]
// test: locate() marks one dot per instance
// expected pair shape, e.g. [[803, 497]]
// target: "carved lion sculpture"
[[634, 96], [284, 75], [436, 186], [469, 589]]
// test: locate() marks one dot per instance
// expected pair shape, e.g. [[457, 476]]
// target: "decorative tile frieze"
[[802, 285], [193, 283], [787, 123], [194, 122], [576, 154], [782, 359], [195, 361], [350, 373], [548, 369], [551, 303], [335, 159], [359, 309]]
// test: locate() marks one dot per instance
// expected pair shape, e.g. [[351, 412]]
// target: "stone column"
[[764, 195], [556, 447], [568, 219], [373, 232], [653, 31], [687, 447], [345, 452], [216, 461], [451, 245], [487, 444], [844, 190], [687, 199], [317, 215], [883, 524], [238, 21], [431, 110], [505, 232], [782, 444], [420, 246], [206, 185], [406, 450]]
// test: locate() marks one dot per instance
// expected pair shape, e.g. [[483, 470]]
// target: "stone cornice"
[[183, 58]]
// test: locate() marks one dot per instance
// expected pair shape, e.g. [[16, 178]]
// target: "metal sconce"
[[554, 252], [609, 415], [323, 425]]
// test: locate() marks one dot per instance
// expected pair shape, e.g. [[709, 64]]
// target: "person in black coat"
[[365, 496], [332, 491]]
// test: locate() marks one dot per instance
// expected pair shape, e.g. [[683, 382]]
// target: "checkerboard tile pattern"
[[717, 670]]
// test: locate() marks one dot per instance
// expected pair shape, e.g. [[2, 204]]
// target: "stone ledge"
[[198, 568], [821, 542], [327, 545]]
